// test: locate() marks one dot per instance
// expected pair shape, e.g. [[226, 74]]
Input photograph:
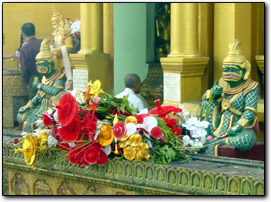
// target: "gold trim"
[[251, 109], [251, 87], [24, 125], [216, 149], [235, 111], [227, 141], [30, 104], [237, 89], [23, 116], [208, 93], [242, 122], [58, 86], [216, 132]]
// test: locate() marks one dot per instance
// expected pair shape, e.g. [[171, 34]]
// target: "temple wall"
[[16, 14], [129, 42]]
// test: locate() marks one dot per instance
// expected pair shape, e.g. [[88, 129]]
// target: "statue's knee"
[[248, 140]]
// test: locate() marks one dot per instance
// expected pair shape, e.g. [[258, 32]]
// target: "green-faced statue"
[[232, 105], [51, 85]]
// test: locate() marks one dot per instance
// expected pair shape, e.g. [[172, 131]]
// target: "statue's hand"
[[35, 84], [23, 109], [233, 131], [216, 90]]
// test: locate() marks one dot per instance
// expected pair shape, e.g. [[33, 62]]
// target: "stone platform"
[[201, 175]]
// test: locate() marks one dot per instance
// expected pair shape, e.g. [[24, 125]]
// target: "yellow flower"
[[42, 139], [95, 88], [135, 140], [106, 135], [129, 152], [143, 145], [142, 155], [30, 145], [131, 119]]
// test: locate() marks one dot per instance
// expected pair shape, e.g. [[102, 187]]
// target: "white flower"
[[51, 141], [75, 26], [55, 116], [144, 111], [131, 128], [186, 139], [107, 150], [150, 122], [196, 126]]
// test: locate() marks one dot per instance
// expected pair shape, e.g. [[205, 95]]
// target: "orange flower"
[[106, 135], [87, 94]]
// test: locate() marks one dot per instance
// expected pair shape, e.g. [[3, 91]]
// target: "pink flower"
[[96, 100], [209, 138]]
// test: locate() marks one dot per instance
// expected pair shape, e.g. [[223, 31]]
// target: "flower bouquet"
[[91, 126]]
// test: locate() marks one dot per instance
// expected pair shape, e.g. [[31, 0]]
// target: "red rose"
[[47, 119], [177, 131], [102, 159], [71, 131], [119, 130], [156, 132]]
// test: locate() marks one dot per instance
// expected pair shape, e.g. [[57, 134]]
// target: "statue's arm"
[[56, 88], [250, 108], [250, 111]]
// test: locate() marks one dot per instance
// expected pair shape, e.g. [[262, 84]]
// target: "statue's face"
[[233, 73], [55, 25], [44, 67]]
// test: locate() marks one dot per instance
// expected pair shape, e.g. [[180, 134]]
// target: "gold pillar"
[[184, 67], [91, 56], [184, 32], [232, 21]]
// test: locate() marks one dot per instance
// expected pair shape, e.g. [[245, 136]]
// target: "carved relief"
[[65, 189], [259, 188], [195, 181], [234, 186], [19, 186], [172, 178], [220, 185], [208, 182], [246, 187], [41, 187], [184, 179]]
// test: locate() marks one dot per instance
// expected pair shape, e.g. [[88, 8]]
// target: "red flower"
[[89, 125], [91, 155], [119, 130], [177, 131], [71, 131], [67, 109], [74, 156], [140, 118], [102, 159], [156, 132], [16, 140], [47, 119]]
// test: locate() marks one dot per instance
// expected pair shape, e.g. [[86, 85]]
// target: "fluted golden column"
[[184, 67], [91, 27], [184, 29], [91, 59]]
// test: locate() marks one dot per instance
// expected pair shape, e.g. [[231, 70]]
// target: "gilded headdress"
[[57, 16], [45, 52], [235, 56]]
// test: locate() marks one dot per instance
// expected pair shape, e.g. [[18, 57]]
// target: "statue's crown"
[[45, 52], [235, 54], [56, 14]]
